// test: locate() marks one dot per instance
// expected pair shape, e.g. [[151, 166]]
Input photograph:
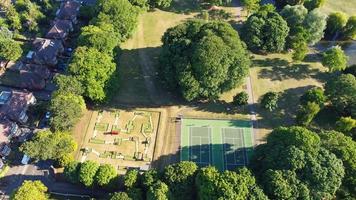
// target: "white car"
[[25, 159]]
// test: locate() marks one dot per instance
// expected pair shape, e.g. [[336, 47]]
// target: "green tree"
[[240, 99], [345, 149], [102, 37], [9, 49], [149, 177], [30, 14], [265, 31], [87, 173], [307, 112], [313, 4], [294, 15], [180, 179], [315, 95], [335, 23], [143, 4], [30, 190], [105, 176], [251, 5], [269, 101], [350, 28], [120, 196], [131, 179], [315, 24], [160, 3], [281, 3], [194, 68], [47, 145], [14, 18], [71, 172], [335, 59], [341, 91], [121, 14], [158, 191], [300, 50], [92, 69], [345, 124], [66, 109], [68, 84]]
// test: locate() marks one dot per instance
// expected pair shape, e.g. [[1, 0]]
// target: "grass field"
[[226, 144], [347, 6]]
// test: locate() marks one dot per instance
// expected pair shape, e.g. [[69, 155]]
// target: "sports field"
[[225, 144]]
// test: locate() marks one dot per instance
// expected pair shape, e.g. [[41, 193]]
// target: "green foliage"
[[92, 69], [47, 145], [149, 178], [180, 178], [135, 193], [251, 5], [269, 101], [350, 70], [160, 3], [219, 15], [345, 124], [281, 3], [307, 112], [309, 170], [335, 59], [30, 190], [158, 191], [226, 185], [341, 91], [335, 23], [300, 50], [101, 37], [120, 196], [30, 14], [13, 18], [315, 95], [345, 149], [131, 179], [143, 4], [105, 176], [68, 84], [217, 2], [315, 24], [313, 4], [87, 173], [350, 28], [71, 172], [66, 108], [65, 159], [265, 31], [9, 49], [190, 64], [294, 15], [240, 99], [121, 14]]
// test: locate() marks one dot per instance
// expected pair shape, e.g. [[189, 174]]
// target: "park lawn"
[[347, 6], [143, 49], [277, 72]]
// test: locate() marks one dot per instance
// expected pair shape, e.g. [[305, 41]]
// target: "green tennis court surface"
[[226, 144]]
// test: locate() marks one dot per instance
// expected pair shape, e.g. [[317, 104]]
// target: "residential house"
[[45, 51], [60, 29], [40, 70], [8, 130], [69, 10], [14, 105], [1, 164]]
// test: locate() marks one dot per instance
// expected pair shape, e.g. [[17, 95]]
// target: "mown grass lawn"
[[347, 6]]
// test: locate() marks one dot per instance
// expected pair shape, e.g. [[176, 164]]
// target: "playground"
[[122, 138], [226, 144]]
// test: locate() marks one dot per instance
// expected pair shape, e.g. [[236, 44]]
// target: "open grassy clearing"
[[347, 6], [277, 72]]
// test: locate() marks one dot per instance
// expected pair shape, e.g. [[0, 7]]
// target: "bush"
[[335, 23], [307, 113], [335, 59], [314, 95], [345, 124], [270, 101], [350, 28], [240, 99]]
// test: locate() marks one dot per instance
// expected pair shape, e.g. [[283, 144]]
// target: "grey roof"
[[60, 29]]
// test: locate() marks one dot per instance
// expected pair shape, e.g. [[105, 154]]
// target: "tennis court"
[[226, 144]]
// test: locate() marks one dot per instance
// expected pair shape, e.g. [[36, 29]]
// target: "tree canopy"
[[30, 190], [350, 28], [189, 61], [269, 101], [341, 91], [92, 69], [265, 31], [121, 14], [335, 59], [47, 145], [105, 176], [294, 165], [9, 49], [87, 172], [68, 84], [335, 23]]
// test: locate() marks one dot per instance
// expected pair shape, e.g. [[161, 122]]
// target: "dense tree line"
[[190, 64], [9, 48]]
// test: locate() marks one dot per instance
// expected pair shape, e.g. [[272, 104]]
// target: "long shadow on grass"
[[201, 154], [284, 115]]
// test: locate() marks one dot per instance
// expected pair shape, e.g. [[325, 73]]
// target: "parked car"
[[25, 159]]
